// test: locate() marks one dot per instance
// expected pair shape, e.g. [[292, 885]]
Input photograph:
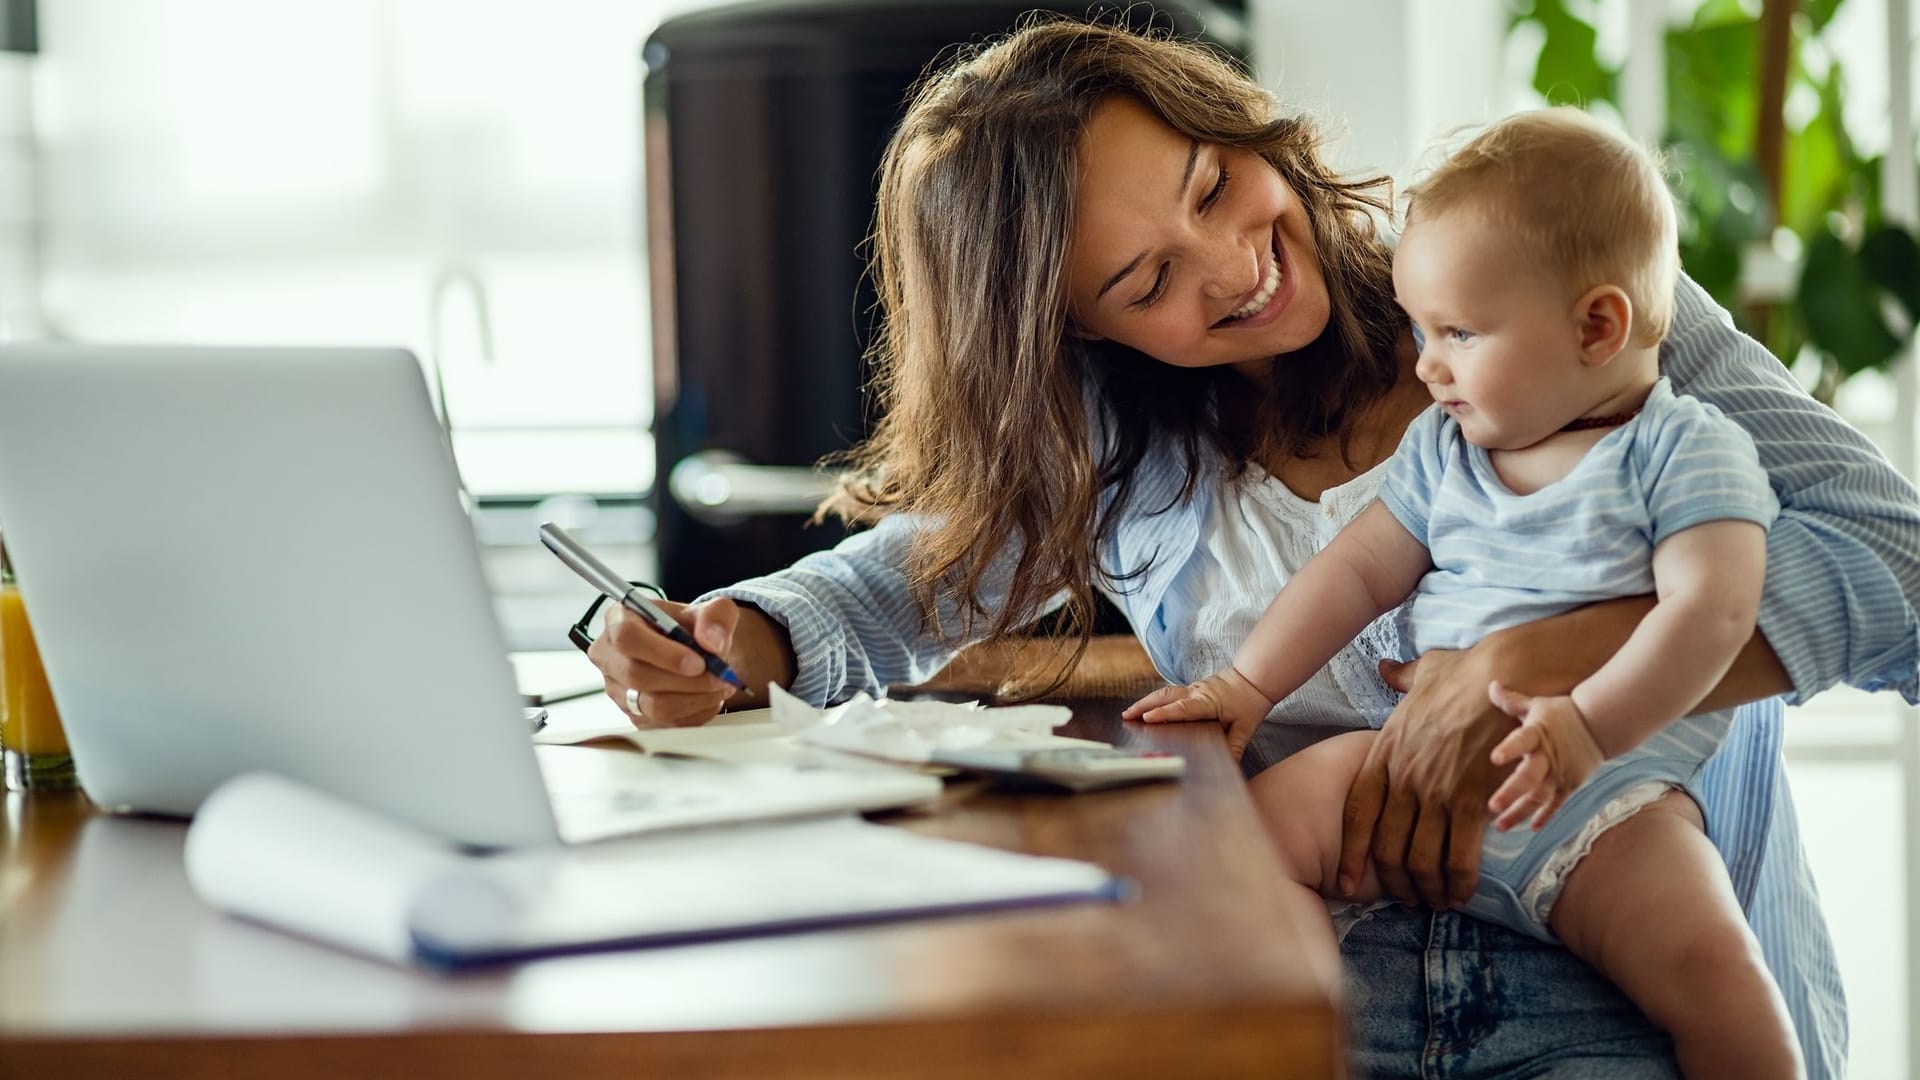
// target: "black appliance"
[[764, 126]]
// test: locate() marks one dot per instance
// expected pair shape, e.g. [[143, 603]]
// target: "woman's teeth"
[[1262, 298]]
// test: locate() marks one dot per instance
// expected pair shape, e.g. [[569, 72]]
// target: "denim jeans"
[[1444, 996]]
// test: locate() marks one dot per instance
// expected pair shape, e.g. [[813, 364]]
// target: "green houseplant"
[[1760, 181]]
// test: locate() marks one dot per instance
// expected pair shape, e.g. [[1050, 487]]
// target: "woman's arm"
[[1553, 655], [1843, 557], [834, 622]]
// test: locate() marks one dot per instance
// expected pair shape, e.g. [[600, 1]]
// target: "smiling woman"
[[1200, 220]]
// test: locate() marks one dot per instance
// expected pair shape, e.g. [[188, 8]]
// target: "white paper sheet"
[[274, 851]]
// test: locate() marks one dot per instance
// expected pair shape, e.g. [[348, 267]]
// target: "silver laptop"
[[256, 558]]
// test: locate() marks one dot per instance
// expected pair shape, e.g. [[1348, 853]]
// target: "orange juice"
[[33, 746], [29, 724]]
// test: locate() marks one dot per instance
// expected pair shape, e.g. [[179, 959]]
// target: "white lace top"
[[1257, 534]]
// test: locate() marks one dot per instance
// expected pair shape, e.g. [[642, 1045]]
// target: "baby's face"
[[1501, 347]]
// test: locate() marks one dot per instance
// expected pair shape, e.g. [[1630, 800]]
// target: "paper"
[[913, 731], [280, 852], [598, 794], [274, 851], [856, 734]]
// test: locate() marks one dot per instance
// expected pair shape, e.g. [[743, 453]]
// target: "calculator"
[[1078, 768]]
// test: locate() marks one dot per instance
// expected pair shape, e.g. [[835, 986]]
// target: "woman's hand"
[[1423, 829], [670, 683], [1226, 696]]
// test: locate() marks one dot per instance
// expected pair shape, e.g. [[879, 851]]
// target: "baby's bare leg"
[[1302, 798], [1651, 908]]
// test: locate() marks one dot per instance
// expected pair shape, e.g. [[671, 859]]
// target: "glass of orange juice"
[[31, 740]]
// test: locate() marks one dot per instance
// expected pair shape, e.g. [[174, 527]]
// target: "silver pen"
[[601, 577]]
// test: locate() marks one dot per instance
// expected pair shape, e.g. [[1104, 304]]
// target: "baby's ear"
[[1604, 317]]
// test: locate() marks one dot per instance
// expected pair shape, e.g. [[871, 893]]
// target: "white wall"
[[1389, 75]]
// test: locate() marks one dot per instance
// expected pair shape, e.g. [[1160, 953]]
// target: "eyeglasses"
[[577, 633]]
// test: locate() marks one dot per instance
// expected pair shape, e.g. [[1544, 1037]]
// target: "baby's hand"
[[1556, 751], [1226, 696]]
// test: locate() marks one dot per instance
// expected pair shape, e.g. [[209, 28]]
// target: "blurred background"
[[631, 269]]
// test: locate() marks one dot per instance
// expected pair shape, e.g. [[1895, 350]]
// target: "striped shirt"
[[1843, 580], [1502, 559]]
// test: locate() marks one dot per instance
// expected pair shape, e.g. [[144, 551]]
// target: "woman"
[[1138, 339]]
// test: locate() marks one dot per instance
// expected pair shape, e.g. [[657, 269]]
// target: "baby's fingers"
[[1520, 742], [1547, 811], [1157, 698], [1511, 702], [1187, 708], [1516, 814], [1523, 785]]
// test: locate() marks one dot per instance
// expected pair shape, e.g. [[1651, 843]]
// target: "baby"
[[1557, 468]]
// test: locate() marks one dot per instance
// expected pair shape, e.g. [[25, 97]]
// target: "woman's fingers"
[[634, 656], [1392, 837], [628, 636], [677, 710], [713, 623], [1365, 798], [1427, 856]]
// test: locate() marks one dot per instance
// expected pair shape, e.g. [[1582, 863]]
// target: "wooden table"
[[109, 966]]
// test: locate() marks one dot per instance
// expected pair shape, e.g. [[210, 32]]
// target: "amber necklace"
[[1588, 423]]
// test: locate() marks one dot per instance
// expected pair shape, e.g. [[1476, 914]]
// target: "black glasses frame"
[[578, 634]]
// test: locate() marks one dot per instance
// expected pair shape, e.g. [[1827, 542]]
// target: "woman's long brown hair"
[[989, 406]]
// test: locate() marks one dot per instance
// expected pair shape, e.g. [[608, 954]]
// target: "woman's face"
[[1195, 254]]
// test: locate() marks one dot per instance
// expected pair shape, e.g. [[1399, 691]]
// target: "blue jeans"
[[1440, 995], [1443, 995]]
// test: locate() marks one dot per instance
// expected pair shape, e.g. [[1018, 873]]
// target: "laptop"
[[243, 559]]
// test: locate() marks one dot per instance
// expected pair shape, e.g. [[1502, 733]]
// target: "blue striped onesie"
[[1501, 559]]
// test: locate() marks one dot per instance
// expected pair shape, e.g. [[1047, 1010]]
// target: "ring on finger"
[[633, 702]]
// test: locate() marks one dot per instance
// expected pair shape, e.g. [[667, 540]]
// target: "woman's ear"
[[1604, 318]]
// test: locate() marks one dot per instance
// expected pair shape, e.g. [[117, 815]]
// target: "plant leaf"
[[1842, 307], [1711, 81], [1891, 260], [1569, 70], [1820, 12], [1814, 174]]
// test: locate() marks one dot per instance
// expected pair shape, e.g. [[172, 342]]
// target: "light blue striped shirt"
[[1843, 579], [1501, 559]]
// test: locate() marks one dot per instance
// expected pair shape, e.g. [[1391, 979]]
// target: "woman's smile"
[[1269, 299]]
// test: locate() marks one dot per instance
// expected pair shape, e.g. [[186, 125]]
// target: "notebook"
[[364, 883]]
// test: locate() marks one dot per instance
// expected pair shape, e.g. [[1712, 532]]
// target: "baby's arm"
[[1707, 581], [1367, 570]]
